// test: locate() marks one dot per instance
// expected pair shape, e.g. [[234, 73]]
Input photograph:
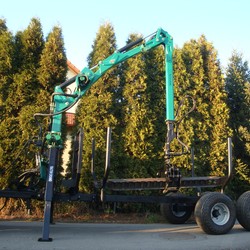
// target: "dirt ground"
[[124, 218], [79, 213]]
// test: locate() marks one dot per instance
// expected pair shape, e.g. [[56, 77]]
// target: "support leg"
[[48, 207]]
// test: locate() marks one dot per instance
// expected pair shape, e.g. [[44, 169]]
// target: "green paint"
[[161, 37]]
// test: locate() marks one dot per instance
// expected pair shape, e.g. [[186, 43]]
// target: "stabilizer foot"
[[45, 240]]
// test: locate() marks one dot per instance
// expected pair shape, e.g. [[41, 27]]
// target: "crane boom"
[[87, 77]]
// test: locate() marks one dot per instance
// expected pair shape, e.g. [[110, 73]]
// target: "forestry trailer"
[[214, 212]]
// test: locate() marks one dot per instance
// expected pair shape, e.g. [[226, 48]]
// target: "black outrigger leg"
[[48, 207]]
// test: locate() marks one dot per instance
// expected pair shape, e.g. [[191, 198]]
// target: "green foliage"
[[97, 109], [139, 129], [3, 27], [27, 51], [6, 63], [143, 113], [193, 130], [29, 44], [197, 73], [130, 99], [24, 62], [53, 63], [237, 87], [219, 129], [8, 149]]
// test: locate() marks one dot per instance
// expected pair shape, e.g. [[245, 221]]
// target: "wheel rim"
[[220, 214], [178, 213]]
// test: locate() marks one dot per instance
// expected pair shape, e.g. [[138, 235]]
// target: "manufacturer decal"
[[51, 172]]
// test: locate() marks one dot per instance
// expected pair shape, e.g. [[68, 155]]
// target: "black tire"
[[243, 210], [215, 213], [171, 213]]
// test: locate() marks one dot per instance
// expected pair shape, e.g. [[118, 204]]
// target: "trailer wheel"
[[243, 210], [174, 215], [215, 213]]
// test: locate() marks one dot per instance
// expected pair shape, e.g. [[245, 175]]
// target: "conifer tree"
[[237, 87], [184, 125], [8, 123], [28, 94], [156, 98], [137, 128], [98, 107], [21, 93], [193, 131], [32, 45], [52, 68], [143, 110], [52, 71], [6, 63], [197, 73], [29, 45], [219, 129], [53, 63]]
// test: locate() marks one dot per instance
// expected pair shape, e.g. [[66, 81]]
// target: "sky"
[[225, 23]]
